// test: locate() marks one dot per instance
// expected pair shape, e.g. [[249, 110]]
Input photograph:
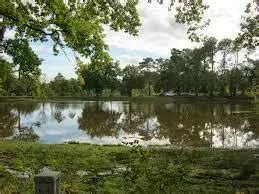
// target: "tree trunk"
[[203, 82], [212, 61], [149, 89], [19, 123], [130, 92], [2, 31], [178, 87], [97, 94], [235, 72], [234, 88], [19, 82], [130, 112], [212, 78], [224, 62]]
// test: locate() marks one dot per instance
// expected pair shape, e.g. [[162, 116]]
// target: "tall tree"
[[99, 76], [131, 79], [225, 47], [235, 73], [6, 77], [59, 85], [25, 62], [147, 66], [196, 69], [177, 66], [210, 46]]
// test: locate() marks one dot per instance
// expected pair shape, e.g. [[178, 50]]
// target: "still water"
[[118, 122]]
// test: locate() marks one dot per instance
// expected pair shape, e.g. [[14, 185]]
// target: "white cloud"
[[225, 17], [160, 33], [127, 59]]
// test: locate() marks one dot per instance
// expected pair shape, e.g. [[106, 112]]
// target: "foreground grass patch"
[[119, 169]]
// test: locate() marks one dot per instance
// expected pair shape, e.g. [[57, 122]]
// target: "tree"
[[249, 28], [196, 69], [225, 47], [78, 26], [59, 85], [176, 67], [235, 74], [166, 76], [25, 62], [210, 46], [99, 76], [112, 71], [6, 77], [131, 79], [146, 66]]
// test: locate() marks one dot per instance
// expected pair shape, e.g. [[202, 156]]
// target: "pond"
[[122, 122]]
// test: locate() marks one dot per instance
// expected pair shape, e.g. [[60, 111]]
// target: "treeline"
[[217, 68]]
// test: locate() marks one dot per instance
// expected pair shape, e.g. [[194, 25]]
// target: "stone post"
[[47, 182]]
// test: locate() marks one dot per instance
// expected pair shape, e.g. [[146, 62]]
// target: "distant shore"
[[184, 98]]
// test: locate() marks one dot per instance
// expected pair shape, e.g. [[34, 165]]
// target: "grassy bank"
[[119, 169], [237, 99]]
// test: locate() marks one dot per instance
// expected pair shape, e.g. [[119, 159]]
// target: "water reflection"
[[178, 124], [98, 121], [8, 120]]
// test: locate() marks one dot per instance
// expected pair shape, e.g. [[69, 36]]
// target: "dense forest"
[[216, 68]]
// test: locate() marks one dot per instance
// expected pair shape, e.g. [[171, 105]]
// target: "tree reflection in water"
[[180, 124], [203, 125], [26, 133], [210, 125], [140, 118], [10, 121], [99, 122]]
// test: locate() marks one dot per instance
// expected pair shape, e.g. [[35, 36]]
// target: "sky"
[[158, 34]]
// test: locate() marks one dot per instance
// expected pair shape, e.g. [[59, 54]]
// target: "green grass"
[[147, 170]]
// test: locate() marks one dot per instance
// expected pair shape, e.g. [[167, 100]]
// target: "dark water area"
[[119, 122]]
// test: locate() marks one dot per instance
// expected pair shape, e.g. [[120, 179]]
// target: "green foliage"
[[21, 76], [147, 67], [193, 71], [6, 73], [78, 26], [192, 13], [60, 86], [131, 79], [24, 59], [249, 29], [99, 76]]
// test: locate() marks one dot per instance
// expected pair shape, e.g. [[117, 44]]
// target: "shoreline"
[[192, 99]]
